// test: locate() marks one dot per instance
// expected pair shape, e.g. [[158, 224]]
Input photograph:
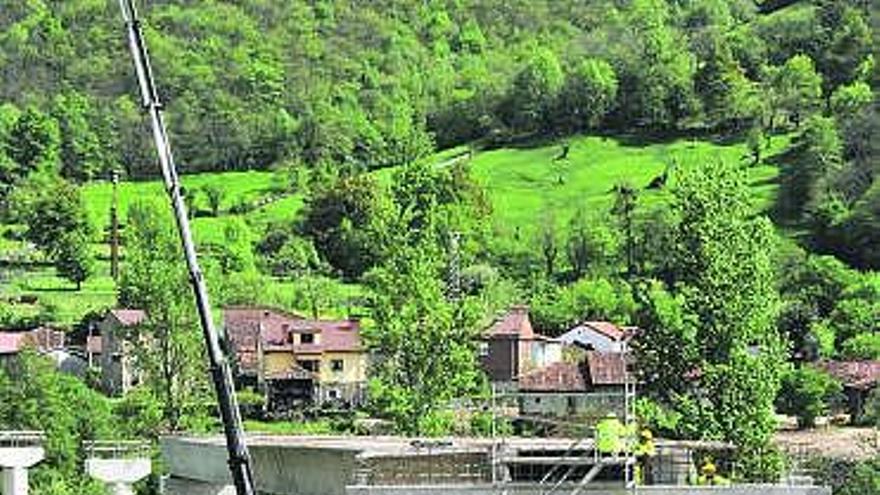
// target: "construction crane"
[[239, 458]]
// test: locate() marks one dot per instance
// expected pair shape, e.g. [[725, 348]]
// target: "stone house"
[[114, 351], [588, 389]]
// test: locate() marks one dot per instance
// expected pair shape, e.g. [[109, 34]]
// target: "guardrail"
[[117, 449], [21, 439]]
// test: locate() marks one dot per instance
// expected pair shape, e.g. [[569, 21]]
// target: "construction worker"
[[709, 475], [645, 450], [609, 435]]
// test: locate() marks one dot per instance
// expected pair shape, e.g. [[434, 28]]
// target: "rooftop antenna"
[[239, 458]]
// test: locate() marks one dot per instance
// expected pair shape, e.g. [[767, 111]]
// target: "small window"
[[307, 338], [484, 349], [333, 394], [310, 365], [337, 365]]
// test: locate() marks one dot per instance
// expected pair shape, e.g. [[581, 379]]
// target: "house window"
[[307, 338], [309, 365], [484, 349], [337, 365], [333, 394]]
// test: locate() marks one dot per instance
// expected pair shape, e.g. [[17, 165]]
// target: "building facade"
[[510, 348], [294, 360], [115, 351]]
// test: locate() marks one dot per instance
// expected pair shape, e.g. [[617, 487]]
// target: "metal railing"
[[21, 439], [117, 449]]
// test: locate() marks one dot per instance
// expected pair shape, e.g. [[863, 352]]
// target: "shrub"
[[807, 393], [864, 346]]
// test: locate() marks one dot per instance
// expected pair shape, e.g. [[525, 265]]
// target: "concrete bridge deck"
[[312, 465]]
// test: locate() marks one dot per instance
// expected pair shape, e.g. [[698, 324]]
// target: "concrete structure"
[[510, 348], [296, 360], [19, 451], [119, 372], [394, 465], [118, 464], [514, 489], [600, 336]]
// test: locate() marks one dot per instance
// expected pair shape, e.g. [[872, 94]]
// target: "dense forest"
[[349, 103], [352, 87]]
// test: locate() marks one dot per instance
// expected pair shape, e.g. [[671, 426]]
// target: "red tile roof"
[[861, 375], [597, 370], [558, 377], [10, 342], [514, 323], [129, 317], [245, 325], [43, 339]]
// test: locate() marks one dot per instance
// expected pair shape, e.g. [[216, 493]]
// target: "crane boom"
[[239, 458]]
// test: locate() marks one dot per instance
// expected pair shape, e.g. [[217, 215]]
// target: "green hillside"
[[522, 183]]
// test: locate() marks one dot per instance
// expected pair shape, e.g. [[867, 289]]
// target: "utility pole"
[[114, 228], [239, 458]]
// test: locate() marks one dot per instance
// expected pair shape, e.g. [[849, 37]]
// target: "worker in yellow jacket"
[[709, 475], [610, 435], [645, 450]]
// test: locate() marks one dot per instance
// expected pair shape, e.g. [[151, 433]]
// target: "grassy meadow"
[[524, 185]]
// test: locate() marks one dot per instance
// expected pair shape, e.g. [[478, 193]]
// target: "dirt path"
[[835, 442]]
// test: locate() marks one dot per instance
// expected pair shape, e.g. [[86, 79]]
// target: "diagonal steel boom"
[[239, 459]]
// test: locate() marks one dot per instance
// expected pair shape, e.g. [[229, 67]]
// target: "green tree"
[[535, 90], [845, 42], [35, 142], [626, 198], [81, 152], [592, 244], [863, 347], [807, 181], [425, 342], [168, 349], [236, 253], [73, 258], [34, 396], [52, 209], [656, 79], [797, 88], [214, 194], [729, 97], [589, 94], [808, 394], [721, 272], [338, 217]]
